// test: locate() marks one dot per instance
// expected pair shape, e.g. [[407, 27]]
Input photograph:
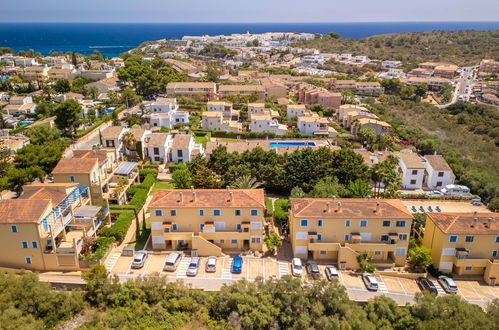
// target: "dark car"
[[237, 265], [426, 284], [313, 269]]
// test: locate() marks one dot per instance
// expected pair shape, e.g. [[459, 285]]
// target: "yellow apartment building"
[[208, 221], [44, 228], [466, 244], [98, 169], [337, 230]]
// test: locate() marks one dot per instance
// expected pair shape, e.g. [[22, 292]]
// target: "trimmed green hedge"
[[269, 208], [103, 243], [119, 229], [146, 171]]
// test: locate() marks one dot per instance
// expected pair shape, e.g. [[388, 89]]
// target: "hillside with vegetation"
[[459, 47]]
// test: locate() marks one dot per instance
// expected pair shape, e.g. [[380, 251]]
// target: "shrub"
[[269, 208], [281, 207], [139, 199], [147, 183], [100, 246], [119, 229], [146, 171]]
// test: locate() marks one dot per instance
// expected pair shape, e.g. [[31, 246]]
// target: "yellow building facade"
[[208, 221], [466, 244], [338, 230]]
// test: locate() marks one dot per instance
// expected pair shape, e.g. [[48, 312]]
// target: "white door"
[[301, 235], [301, 250], [448, 252]]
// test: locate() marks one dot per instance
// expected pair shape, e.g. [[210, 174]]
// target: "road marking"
[[382, 287], [149, 257], [247, 268], [402, 285], [112, 261], [263, 268], [182, 267], [283, 268], [226, 273], [440, 290]]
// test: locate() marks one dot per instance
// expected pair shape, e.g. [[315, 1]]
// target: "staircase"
[[205, 247], [283, 268], [112, 261]]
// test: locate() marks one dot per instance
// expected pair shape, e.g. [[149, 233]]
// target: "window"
[[384, 238], [386, 223], [201, 213], [347, 223], [319, 237], [403, 237], [158, 213], [363, 223], [256, 239], [301, 235], [13, 229], [439, 183], [497, 239], [413, 181], [173, 213], [156, 151], [377, 253], [494, 253], [28, 260], [201, 226], [414, 172], [400, 223], [234, 241], [304, 223], [238, 212], [469, 239], [322, 252], [254, 212], [453, 239], [256, 225], [94, 176], [45, 225], [401, 251], [34, 244], [71, 178], [440, 174], [180, 153], [468, 268], [25, 245], [319, 223], [216, 213], [347, 237], [174, 226]]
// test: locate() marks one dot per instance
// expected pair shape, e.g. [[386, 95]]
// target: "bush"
[[269, 208], [281, 206], [146, 171], [173, 167], [101, 244], [119, 229], [147, 183], [139, 199]]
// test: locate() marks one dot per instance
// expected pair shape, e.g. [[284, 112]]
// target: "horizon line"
[[210, 22]]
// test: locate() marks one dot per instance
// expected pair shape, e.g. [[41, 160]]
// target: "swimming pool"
[[291, 144]]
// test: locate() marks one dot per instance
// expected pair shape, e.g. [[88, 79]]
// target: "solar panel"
[[125, 168]]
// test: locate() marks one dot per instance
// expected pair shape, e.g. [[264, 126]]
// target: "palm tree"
[[129, 142], [246, 182]]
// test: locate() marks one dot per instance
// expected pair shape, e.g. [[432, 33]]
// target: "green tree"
[[15, 177], [327, 188], [297, 192], [39, 135], [129, 97], [68, 116], [62, 86], [347, 166], [418, 255], [273, 242], [212, 74], [494, 204], [246, 182], [359, 189], [364, 259], [205, 178], [182, 177]]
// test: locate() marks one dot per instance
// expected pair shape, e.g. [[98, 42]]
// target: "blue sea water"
[[114, 38], [291, 144]]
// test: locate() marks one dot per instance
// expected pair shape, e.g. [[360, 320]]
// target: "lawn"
[[140, 243], [161, 185]]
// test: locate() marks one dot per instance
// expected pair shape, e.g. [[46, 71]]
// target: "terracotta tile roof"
[[22, 210], [240, 88], [437, 162], [44, 193], [208, 198], [156, 140], [111, 132], [411, 160], [181, 141], [100, 154], [350, 208], [75, 165], [138, 133], [463, 223]]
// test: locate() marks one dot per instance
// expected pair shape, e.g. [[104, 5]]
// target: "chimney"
[[339, 207], [193, 196], [377, 207], [475, 221], [489, 222], [231, 196], [180, 197], [327, 207]]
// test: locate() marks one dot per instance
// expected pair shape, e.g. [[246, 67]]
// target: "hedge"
[[119, 229], [281, 207], [103, 243], [269, 208], [139, 199], [146, 171], [147, 183]]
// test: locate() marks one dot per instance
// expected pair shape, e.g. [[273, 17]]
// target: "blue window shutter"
[[25, 245], [238, 226], [174, 226]]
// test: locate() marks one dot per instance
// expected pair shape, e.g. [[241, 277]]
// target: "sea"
[[111, 39]]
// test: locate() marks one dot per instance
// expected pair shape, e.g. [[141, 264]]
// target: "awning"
[[208, 224], [393, 235], [356, 236], [86, 211], [312, 233], [462, 251], [245, 224], [166, 225], [125, 168]]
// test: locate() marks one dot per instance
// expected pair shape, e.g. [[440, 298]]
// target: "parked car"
[[477, 202], [447, 284], [426, 284], [331, 272], [96, 146], [455, 190], [172, 261], [370, 281], [192, 270], [211, 265], [313, 269], [139, 259], [296, 267], [237, 265]]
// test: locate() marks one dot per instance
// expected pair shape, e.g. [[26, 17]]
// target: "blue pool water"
[[291, 144]]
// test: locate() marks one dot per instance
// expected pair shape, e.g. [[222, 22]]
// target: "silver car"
[[139, 259], [193, 267], [211, 265]]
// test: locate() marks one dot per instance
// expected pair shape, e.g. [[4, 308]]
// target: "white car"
[[211, 265], [139, 259], [370, 281], [296, 267], [331, 272], [447, 284], [192, 270]]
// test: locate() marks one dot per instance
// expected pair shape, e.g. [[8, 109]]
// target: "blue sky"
[[248, 11]]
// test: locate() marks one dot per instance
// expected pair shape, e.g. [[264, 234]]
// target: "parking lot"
[[400, 289]]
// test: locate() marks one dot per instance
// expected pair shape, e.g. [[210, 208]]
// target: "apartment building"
[[379, 127], [345, 84], [369, 87], [157, 147], [225, 90], [348, 113], [202, 91], [296, 110], [432, 82], [214, 120], [225, 108], [438, 172], [164, 112], [184, 148], [208, 221], [266, 123], [310, 94], [339, 229], [412, 170], [19, 105], [44, 228], [112, 138], [465, 244], [38, 73], [55, 73], [312, 124], [391, 64]]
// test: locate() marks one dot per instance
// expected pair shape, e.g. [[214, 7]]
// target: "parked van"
[[370, 281], [456, 190], [172, 261]]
